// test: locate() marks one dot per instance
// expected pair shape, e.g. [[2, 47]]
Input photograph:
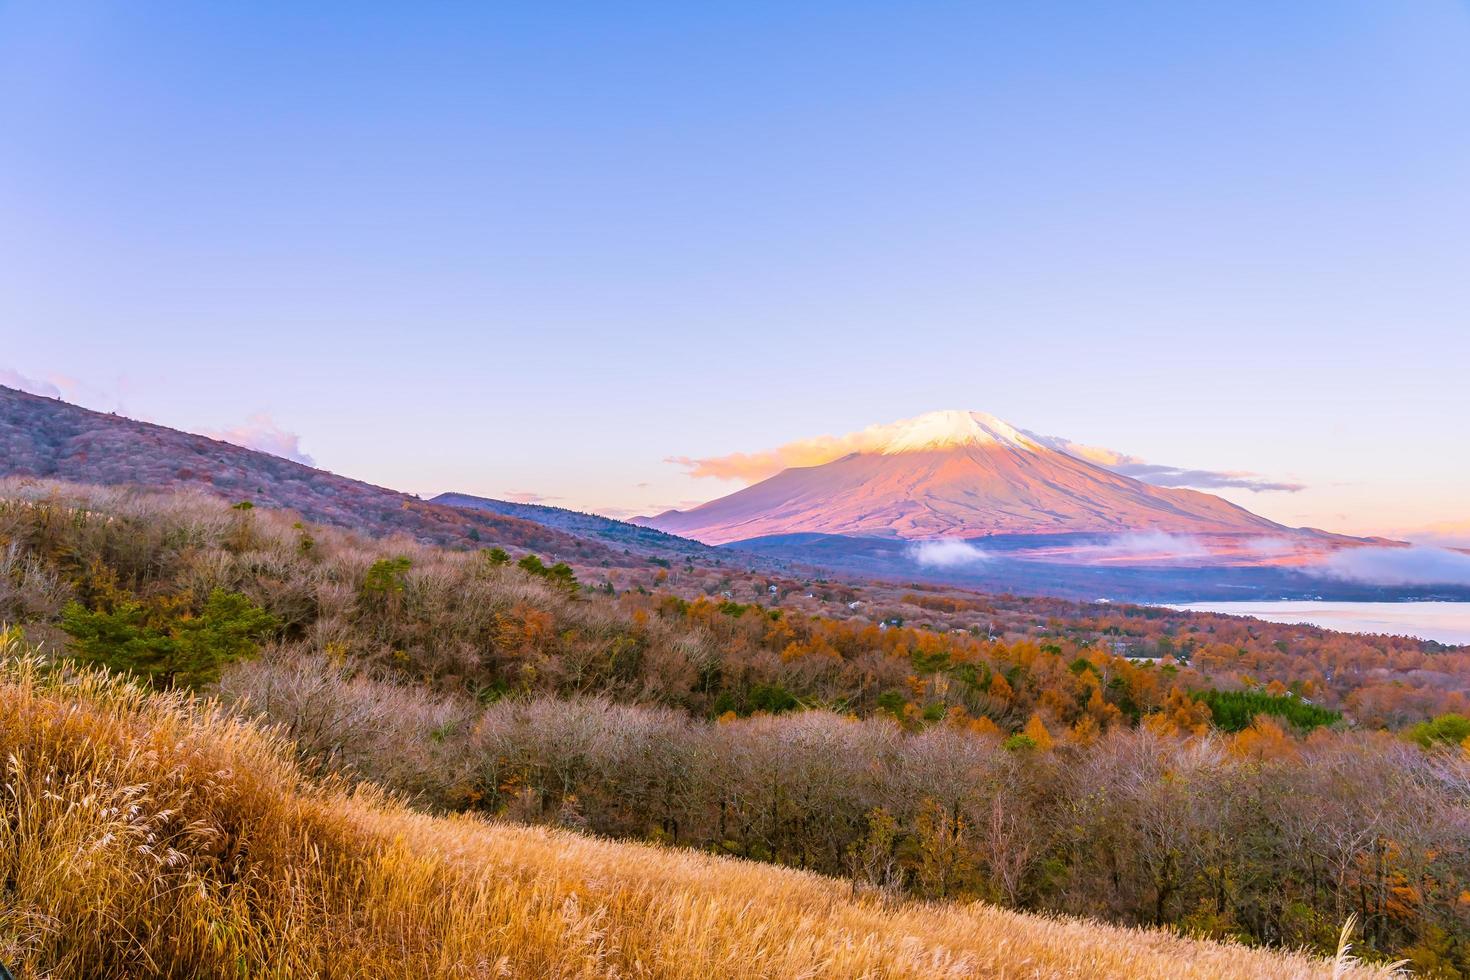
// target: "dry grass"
[[146, 835]]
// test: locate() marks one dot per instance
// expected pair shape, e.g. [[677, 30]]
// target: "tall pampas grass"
[[150, 835]]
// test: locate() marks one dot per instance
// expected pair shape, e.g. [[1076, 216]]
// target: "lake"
[[1447, 622]]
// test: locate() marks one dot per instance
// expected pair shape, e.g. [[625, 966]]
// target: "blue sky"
[[540, 248]]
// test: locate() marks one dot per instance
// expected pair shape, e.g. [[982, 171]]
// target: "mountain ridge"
[[46, 438], [583, 524]]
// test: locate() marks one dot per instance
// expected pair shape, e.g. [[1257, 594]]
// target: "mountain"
[[616, 533], [51, 439], [965, 498], [957, 474]]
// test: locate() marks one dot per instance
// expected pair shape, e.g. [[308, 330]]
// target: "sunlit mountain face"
[[966, 497], [958, 474]]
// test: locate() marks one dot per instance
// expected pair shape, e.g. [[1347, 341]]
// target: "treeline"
[[1379, 680], [1255, 835], [174, 587]]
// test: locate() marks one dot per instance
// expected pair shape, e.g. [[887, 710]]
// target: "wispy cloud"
[[757, 466], [1271, 547], [103, 398], [260, 432], [754, 467], [656, 508], [1447, 534], [1163, 475], [1157, 546], [1395, 566], [11, 378], [947, 553], [528, 497]]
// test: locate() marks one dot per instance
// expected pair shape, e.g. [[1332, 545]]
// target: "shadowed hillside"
[[618, 533], [43, 437]]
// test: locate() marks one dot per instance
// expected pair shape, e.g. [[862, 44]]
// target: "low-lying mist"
[[947, 553], [1159, 545], [1415, 565], [1395, 566]]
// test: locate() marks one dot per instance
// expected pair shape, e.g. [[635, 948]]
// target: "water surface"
[[1447, 622]]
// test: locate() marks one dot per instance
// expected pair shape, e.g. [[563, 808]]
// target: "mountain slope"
[[44, 437], [961, 475], [613, 532]]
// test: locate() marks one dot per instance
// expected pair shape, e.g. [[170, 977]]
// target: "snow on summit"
[[946, 430]]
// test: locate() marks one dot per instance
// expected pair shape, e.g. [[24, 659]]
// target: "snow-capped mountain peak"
[[955, 474], [948, 430]]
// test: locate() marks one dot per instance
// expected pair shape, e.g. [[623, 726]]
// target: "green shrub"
[[772, 698], [1018, 743], [892, 702], [387, 576], [560, 574], [164, 642], [1233, 711], [1444, 730]]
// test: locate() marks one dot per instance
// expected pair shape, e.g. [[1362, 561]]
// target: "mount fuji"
[[958, 474], [967, 498]]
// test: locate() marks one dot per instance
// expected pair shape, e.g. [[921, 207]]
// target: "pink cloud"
[[107, 398], [11, 378], [261, 433], [757, 466], [527, 497], [753, 467], [1447, 534]]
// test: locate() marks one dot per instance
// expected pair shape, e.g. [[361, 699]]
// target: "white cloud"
[[1396, 566], [947, 553]]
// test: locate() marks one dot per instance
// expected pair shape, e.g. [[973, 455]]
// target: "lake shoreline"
[[1440, 621]]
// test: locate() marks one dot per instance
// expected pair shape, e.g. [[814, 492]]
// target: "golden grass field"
[[146, 835]]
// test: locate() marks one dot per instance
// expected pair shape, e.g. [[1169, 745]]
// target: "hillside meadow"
[[149, 834]]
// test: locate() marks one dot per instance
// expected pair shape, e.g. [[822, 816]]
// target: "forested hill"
[[614, 532], [45, 437]]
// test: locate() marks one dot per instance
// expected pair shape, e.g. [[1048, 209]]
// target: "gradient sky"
[[538, 248]]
